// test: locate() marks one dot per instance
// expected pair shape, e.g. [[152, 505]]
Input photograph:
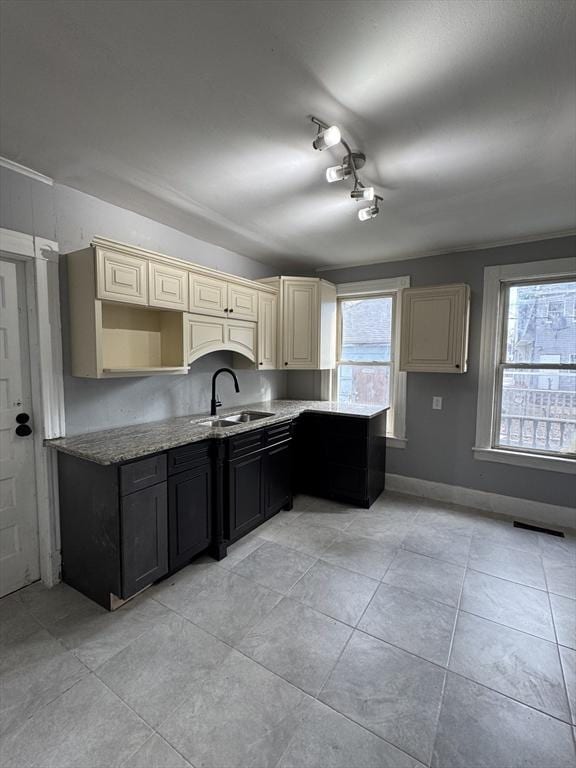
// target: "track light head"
[[337, 173], [327, 137], [365, 214], [362, 193]]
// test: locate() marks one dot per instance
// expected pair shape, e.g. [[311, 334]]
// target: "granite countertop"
[[125, 443]]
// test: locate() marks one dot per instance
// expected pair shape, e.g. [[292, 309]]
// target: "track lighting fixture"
[[337, 173], [329, 136], [362, 193]]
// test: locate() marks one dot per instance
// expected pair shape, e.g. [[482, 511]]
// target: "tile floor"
[[411, 634]]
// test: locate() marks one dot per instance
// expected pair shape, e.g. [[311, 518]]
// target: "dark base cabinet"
[[259, 478], [114, 526], [341, 457], [190, 509]]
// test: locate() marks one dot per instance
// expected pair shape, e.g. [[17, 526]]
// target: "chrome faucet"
[[215, 401]]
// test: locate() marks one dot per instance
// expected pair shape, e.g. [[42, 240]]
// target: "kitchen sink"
[[236, 418]]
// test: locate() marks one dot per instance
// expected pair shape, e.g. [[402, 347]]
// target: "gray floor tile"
[[560, 577], [426, 576], [440, 544], [512, 564], [95, 635], [392, 693], [418, 625], [328, 740], [49, 605], [450, 521], [301, 501], [35, 670], [558, 548], [568, 657], [159, 670], [305, 537], [514, 605], [297, 643], [335, 591], [156, 753], [359, 554], [564, 613], [274, 566], [16, 621], [86, 727], [511, 662], [178, 590], [389, 530], [242, 716], [480, 728], [241, 549], [229, 608], [503, 533]]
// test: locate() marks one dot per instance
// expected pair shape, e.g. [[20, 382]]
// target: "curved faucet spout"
[[215, 402]]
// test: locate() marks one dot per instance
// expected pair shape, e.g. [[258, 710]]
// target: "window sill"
[[396, 442], [551, 463]]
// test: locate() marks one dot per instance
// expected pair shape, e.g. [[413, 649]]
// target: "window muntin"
[[364, 369], [536, 374]]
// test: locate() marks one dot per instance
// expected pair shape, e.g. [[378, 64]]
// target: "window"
[[527, 394], [366, 369]]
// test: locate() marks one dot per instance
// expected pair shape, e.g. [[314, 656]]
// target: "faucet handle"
[[218, 401]]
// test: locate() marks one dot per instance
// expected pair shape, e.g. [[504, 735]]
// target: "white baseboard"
[[549, 515]]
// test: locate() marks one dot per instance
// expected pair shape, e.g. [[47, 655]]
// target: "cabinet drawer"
[[279, 433], [188, 457], [246, 443], [142, 473]]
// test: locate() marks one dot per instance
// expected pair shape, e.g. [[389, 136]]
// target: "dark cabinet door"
[[277, 478], [144, 536], [245, 490], [189, 514]]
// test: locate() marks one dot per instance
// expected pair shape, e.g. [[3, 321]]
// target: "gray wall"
[[440, 442], [73, 218]]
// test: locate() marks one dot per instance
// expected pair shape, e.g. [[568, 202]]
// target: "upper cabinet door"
[[168, 286], [434, 332], [242, 302], [120, 277], [208, 295], [300, 325], [267, 331]]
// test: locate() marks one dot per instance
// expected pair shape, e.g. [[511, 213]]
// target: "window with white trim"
[[527, 395], [366, 367]]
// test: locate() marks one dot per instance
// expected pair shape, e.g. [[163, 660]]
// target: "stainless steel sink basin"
[[235, 418]]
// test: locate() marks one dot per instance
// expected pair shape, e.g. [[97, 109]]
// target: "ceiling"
[[196, 114]]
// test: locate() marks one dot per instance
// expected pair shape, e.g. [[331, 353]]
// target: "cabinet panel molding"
[[208, 295], [168, 286], [212, 334], [434, 332], [243, 302], [120, 277], [267, 331]]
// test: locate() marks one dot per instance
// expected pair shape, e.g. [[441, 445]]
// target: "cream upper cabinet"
[[434, 331], [208, 295], [267, 331], [121, 277], [307, 322], [168, 286], [206, 334], [242, 302]]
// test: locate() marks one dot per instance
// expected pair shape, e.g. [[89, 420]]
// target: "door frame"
[[40, 257]]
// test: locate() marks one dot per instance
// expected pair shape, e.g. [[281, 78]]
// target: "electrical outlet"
[[437, 403]]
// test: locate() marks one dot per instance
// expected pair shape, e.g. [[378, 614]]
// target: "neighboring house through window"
[[527, 389], [367, 366]]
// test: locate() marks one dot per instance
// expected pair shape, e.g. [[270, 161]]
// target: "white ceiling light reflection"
[[311, 214]]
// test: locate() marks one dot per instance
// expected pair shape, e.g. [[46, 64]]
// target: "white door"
[[19, 563]]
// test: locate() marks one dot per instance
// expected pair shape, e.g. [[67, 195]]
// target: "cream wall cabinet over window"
[[434, 331], [168, 286], [121, 277], [206, 334], [307, 322]]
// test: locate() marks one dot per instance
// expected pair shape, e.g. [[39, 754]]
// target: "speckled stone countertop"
[[124, 443]]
